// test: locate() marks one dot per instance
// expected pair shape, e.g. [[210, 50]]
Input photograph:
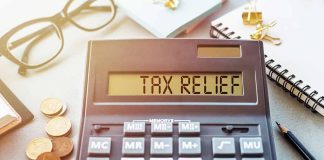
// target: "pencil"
[[296, 143]]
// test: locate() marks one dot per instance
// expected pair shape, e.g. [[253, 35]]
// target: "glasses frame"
[[56, 21]]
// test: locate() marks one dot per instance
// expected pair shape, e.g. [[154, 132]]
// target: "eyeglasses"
[[24, 45]]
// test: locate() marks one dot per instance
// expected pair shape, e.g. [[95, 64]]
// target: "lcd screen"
[[177, 84]]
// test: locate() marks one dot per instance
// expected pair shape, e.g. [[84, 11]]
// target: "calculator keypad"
[[163, 140]]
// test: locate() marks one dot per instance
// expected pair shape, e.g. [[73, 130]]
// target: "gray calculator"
[[176, 99]]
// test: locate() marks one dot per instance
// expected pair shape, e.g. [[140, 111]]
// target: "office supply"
[[261, 33], [23, 45], [163, 22], [172, 4], [156, 98], [250, 15], [295, 142], [300, 53], [12, 112]]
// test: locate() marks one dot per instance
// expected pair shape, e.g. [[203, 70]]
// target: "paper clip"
[[261, 33]]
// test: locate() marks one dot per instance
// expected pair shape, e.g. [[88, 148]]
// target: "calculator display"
[[159, 84]]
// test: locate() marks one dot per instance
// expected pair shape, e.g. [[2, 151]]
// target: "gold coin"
[[62, 146], [48, 156], [38, 146], [62, 112], [51, 106], [58, 126]]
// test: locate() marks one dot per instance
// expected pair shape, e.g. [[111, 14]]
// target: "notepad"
[[12, 112], [297, 64], [164, 22]]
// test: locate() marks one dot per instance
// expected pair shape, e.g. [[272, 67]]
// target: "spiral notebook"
[[297, 64]]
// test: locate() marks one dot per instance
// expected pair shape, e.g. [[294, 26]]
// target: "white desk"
[[65, 77]]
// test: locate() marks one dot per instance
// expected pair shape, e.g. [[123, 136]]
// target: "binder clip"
[[171, 4], [251, 16], [261, 33]]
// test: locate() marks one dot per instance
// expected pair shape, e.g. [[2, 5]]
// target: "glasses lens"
[[35, 44], [91, 14]]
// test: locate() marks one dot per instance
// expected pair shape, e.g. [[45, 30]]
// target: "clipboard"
[[21, 114]]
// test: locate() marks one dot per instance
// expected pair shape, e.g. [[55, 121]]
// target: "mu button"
[[251, 146]]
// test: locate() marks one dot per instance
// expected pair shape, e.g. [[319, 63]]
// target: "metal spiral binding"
[[220, 32]]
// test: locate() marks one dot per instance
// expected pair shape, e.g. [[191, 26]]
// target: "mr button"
[[133, 146], [251, 146], [99, 146]]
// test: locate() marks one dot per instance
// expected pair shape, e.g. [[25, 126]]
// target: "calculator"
[[175, 99]]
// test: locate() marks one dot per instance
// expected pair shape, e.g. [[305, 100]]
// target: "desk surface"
[[64, 79]]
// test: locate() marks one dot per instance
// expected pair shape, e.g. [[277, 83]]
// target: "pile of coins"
[[58, 128]]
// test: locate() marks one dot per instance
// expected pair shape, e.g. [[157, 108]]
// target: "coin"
[[62, 112], [38, 146], [62, 146], [58, 126], [51, 106], [48, 156]]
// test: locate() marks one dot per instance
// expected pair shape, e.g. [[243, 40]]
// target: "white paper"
[[5, 108]]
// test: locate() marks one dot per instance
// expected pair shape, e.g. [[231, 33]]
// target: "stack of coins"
[[58, 128]]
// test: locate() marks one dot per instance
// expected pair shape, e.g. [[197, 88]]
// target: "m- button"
[[189, 128], [99, 146], [161, 146], [251, 146], [133, 146], [134, 128]]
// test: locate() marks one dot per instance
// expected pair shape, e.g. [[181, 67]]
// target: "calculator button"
[[223, 146], [134, 128], [224, 159], [133, 146], [190, 158], [162, 128], [126, 158], [189, 128], [93, 158], [161, 158], [253, 159], [189, 146], [250, 146], [161, 146], [99, 146]]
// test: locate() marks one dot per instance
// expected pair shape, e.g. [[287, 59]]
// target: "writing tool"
[[296, 143]]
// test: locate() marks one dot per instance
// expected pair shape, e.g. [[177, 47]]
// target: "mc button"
[[99, 146]]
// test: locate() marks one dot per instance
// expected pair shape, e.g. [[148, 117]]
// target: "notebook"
[[164, 22], [297, 64], [12, 112]]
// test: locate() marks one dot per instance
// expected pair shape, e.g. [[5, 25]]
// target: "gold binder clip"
[[172, 4], [251, 16], [261, 33]]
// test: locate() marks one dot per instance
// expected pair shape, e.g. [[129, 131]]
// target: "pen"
[[296, 143]]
